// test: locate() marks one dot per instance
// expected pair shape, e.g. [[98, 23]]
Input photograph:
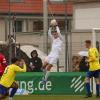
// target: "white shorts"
[[51, 60]]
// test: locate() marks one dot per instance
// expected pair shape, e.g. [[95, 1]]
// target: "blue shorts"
[[95, 74], [3, 90]]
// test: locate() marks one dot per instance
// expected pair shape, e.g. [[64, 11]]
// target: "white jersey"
[[56, 47]]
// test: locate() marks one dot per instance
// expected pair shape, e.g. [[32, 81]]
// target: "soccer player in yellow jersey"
[[94, 69], [8, 78]]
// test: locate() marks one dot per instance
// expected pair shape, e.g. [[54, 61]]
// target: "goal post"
[[94, 35]]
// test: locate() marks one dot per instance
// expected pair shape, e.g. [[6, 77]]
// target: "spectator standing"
[[75, 63], [35, 62], [83, 66]]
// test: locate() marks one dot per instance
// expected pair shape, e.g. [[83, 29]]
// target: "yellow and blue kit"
[[94, 65], [8, 77]]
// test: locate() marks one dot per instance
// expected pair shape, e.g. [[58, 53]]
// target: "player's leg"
[[87, 81], [45, 62], [97, 80], [51, 61], [2, 97], [48, 68], [44, 66], [3, 92], [44, 69], [14, 87], [6, 95], [97, 87]]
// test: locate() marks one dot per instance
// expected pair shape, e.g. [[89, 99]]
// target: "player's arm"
[[49, 32], [19, 69], [93, 55], [59, 33]]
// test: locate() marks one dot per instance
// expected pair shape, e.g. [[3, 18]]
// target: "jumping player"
[[94, 69], [8, 78], [54, 33]]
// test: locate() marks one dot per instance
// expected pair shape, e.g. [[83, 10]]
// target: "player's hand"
[[32, 67]]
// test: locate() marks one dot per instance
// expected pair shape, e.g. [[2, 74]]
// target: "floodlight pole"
[[45, 25], [9, 34], [66, 39], [94, 46]]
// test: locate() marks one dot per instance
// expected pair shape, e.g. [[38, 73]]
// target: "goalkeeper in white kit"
[[55, 35]]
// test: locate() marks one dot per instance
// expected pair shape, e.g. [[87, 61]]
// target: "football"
[[53, 22]]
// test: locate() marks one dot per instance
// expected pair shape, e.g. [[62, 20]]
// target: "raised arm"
[[18, 69], [49, 32], [58, 31]]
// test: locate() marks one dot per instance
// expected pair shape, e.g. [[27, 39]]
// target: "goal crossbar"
[[94, 36]]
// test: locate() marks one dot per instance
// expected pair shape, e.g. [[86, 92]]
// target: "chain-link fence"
[[26, 23]]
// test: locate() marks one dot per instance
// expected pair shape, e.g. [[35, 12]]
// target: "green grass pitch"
[[52, 97]]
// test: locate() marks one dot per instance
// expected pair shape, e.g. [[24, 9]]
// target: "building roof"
[[84, 1], [33, 6]]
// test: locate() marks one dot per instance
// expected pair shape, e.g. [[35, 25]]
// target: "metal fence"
[[31, 29], [19, 28]]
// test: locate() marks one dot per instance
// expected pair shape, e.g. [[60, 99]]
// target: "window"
[[18, 26], [37, 26], [16, 0], [57, 1]]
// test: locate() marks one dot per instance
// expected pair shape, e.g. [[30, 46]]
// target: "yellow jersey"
[[93, 59], [9, 74]]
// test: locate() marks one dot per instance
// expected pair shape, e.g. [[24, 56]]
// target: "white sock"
[[10, 98], [46, 75], [10, 91]]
